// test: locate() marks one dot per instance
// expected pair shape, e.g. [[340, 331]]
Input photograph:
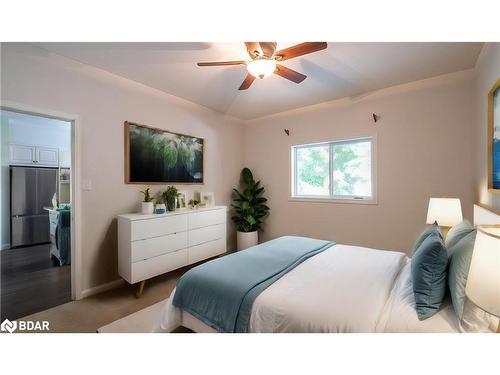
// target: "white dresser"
[[149, 245]]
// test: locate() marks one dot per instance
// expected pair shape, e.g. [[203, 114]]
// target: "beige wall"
[[104, 101], [423, 140], [424, 149], [488, 72]]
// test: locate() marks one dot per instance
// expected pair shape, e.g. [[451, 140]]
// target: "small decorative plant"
[[147, 206], [193, 203], [147, 196], [169, 196], [249, 206]]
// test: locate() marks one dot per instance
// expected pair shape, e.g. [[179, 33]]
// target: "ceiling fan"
[[264, 58]]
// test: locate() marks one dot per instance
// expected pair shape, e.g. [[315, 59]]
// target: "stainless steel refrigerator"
[[31, 189]]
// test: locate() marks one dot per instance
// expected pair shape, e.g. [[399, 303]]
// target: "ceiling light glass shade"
[[261, 68]]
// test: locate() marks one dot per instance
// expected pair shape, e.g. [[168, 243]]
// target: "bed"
[[341, 289]]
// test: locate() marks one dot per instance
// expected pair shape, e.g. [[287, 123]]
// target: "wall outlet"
[[87, 185]]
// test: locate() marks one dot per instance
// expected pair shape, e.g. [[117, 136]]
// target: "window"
[[338, 170]]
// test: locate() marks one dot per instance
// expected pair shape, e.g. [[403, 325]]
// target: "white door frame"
[[76, 169]]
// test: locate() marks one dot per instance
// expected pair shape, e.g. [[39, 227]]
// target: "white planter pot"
[[247, 239], [147, 208]]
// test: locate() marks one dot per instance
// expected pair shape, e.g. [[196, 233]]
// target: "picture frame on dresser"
[[494, 138], [151, 245], [207, 198], [182, 199]]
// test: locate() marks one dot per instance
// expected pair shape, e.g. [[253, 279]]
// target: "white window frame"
[[335, 198]]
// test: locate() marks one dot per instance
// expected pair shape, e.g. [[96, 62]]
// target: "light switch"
[[87, 185]]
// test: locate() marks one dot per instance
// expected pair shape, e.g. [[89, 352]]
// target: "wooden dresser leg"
[[141, 289]]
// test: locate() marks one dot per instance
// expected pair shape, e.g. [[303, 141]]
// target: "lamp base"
[[444, 231]]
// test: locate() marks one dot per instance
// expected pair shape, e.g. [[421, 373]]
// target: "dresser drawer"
[[205, 218], [148, 268], [211, 233], [206, 250], [144, 249], [156, 227]]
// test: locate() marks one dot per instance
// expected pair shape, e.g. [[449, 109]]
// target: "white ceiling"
[[342, 70]]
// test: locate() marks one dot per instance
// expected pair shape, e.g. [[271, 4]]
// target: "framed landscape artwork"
[[156, 156], [494, 138]]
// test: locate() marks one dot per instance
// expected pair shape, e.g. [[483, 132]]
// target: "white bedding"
[[343, 289], [400, 315]]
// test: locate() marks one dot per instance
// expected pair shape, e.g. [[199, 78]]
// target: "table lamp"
[[447, 212], [483, 282]]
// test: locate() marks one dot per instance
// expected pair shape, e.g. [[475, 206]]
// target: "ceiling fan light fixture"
[[264, 58], [261, 68]]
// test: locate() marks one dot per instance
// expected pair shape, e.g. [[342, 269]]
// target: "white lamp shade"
[[446, 211], [483, 282]]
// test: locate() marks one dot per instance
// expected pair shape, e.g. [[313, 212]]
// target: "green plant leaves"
[[246, 176], [187, 152], [147, 196], [170, 151], [249, 210], [169, 196]]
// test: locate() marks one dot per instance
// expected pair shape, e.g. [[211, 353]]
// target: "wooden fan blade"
[[290, 74], [220, 63], [253, 49], [268, 48], [247, 82], [299, 50]]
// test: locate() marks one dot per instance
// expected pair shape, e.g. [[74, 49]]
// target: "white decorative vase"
[[246, 239], [147, 208]]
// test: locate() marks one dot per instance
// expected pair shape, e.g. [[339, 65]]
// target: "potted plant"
[[160, 207], [193, 203], [169, 197], [249, 210], [147, 206]]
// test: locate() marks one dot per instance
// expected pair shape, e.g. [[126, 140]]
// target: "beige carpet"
[[89, 314], [143, 321]]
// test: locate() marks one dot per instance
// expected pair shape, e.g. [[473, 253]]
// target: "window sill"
[[372, 201]]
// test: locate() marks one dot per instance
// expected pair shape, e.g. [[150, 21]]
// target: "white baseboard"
[[102, 288]]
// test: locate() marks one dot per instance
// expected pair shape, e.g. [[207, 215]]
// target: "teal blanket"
[[221, 292], [63, 237]]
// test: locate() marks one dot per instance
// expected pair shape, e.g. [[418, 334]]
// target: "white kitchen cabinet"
[[21, 154], [47, 156], [33, 155]]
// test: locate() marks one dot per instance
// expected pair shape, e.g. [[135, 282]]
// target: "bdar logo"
[[9, 326]]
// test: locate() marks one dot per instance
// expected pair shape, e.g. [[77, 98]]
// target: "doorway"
[[37, 212]]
